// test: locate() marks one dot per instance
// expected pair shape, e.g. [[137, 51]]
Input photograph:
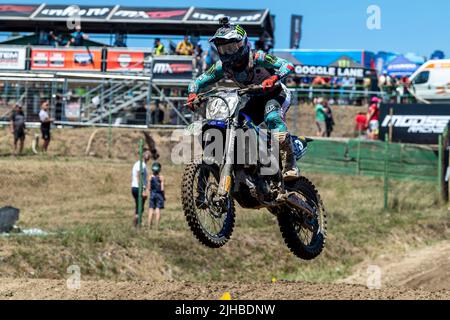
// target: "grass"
[[86, 203]]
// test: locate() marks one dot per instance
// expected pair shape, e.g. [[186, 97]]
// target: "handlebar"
[[250, 89]]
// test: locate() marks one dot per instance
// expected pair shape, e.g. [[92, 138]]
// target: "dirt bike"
[[211, 184]]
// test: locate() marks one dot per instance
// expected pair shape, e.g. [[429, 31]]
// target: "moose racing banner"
[[12, 58], [127, 61], [414, 123], [172, 68], [66, 59]]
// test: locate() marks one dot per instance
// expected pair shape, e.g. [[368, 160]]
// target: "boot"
[[290, 169]]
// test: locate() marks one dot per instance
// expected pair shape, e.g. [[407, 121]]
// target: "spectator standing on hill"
[[360, 124], [155, 185], [185, 47], [77, 37], [17, 126], [329, 120], [135, 179], [320, 118], [372, 121], [46, 122], [158, 48]]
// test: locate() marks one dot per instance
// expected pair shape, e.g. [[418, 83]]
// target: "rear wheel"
[[212, 225], [303, 233]]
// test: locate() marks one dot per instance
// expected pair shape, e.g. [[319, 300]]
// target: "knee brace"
[[273, 116], [274, 121]]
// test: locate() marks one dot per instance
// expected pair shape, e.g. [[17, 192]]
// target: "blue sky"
[[406, 26]]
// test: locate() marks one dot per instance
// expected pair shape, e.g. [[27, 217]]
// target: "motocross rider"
[[245, 66]]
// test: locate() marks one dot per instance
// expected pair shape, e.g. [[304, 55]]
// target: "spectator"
[[120, 40], [198, 58], [185, 48], [135, 180], [158, 48], [329, 120], [17, 126], [320, 118], [157, 115], [382, 79], [155, 185], [46, 121], [360, 124], [260, 43], [318, 81], [78, 37], [372, 120], [49, 39]]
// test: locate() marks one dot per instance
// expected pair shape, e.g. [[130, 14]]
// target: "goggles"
[[229, 48]]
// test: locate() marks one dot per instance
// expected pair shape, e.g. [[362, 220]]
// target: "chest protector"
[[251, 74]]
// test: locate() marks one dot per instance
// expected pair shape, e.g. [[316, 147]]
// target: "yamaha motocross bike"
[[211, 185]]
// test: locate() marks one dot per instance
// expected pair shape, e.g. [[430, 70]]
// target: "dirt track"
[[427, 268], [56, 289], [419, 274]]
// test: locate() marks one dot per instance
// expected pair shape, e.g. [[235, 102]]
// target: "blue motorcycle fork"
[[225, 174]]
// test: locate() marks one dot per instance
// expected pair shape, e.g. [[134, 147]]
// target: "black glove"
[[164, 195]]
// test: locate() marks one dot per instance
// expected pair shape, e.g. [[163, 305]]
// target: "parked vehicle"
[[431, 82]]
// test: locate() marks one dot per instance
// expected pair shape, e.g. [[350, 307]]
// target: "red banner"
[[125, 60], [66, 60]]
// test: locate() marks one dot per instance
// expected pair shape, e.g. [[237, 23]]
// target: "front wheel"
[[305, 235], [211, 225]]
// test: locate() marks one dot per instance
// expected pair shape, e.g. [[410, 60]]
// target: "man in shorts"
[[17, 126], [373, 116], [46, 122], [320, 118], [136, 176]]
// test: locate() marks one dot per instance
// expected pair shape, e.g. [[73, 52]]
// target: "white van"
[[431, 82]]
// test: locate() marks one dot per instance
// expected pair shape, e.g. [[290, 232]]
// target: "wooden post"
[[440, 168], [386, 171], [358, 157], [391, 113]]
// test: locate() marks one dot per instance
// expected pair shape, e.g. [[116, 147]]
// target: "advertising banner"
[[65, 11], [414, 123], [240, 16], [66, 60], [172, 68], [73, 109], [127, 60], [16, 10], [149, 14], [325, 71], [12, 58], [296, 31]]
